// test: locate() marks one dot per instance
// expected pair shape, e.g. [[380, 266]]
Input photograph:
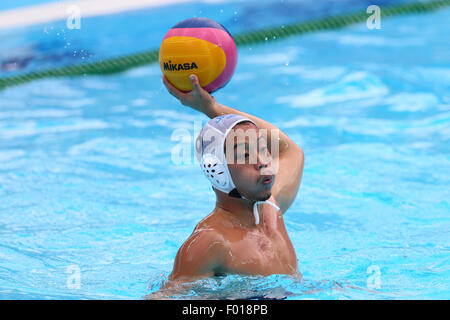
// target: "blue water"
[[54, 44], [87, 179]]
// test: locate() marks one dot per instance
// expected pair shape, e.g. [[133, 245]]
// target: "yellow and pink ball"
[[199, 46]]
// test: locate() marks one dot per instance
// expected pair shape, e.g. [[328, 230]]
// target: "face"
[[249, 161]]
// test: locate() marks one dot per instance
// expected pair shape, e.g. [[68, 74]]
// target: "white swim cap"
[[209, 149]]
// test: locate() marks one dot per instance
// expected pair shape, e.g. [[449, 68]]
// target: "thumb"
[[195, 83]]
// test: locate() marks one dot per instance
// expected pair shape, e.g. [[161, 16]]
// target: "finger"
[[172, 90], [195, 83]]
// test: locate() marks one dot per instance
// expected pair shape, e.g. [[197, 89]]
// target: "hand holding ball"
[[198, 46]]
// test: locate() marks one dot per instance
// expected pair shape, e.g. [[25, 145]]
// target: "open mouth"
[[267, 180]]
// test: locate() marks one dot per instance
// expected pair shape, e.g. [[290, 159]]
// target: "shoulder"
[[205, 242], [200, 255]]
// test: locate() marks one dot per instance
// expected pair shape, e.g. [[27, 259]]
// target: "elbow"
[[301, 155], [301, 163]]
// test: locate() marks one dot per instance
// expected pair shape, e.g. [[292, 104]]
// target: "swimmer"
[[245, 233]]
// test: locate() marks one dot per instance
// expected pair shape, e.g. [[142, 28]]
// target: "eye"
[[242, 155]]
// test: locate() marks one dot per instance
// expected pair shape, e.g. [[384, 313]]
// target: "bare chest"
[[266, 250]]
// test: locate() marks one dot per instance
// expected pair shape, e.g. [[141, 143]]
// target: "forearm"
[[200, 100]]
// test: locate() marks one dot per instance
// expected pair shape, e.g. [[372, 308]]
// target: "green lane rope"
[[123, 63]]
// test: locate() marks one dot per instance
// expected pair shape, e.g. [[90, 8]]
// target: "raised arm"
[[290, 156]]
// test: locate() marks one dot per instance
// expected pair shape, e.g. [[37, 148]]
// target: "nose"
[[264, 161]]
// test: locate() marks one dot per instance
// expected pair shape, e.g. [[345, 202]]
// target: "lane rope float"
[[123, 63]]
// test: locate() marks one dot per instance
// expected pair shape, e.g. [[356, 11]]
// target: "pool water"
[[88, 185]]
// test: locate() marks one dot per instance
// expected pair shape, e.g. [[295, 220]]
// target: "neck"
[[239, 208]]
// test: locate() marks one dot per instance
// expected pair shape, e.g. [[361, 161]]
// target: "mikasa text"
[[169, 66]]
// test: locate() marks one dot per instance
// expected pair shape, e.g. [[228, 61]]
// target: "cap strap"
[[256, 212]]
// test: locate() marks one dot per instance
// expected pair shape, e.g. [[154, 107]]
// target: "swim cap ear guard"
[[215, 171], [209, 149]]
